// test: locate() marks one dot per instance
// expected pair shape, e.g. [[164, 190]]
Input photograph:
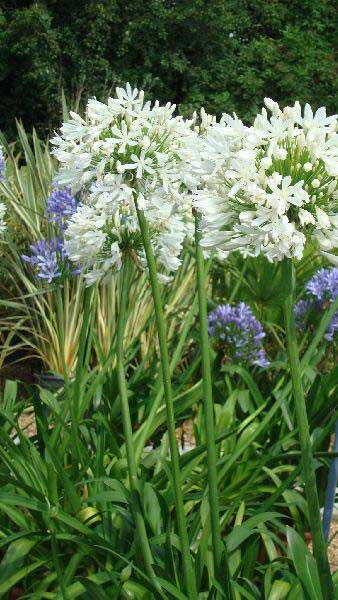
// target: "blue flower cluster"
[[49, 257], [238, 331], [45, 258], [60, 206], [324, 284], [321, 290]]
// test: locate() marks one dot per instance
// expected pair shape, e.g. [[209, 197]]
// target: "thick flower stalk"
[[267, 188], [127, 425], [238, 334], [189, 575], [319, 545], [219, 549], [123, 151]]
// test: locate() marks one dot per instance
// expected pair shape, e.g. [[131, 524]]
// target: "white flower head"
[[123, 151], [270, 187]]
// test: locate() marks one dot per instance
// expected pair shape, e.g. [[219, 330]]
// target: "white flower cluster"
[[264, 188], [2, 215], [269, 187], [123, 151]]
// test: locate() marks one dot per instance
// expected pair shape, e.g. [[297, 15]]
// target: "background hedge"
[[223, 54]]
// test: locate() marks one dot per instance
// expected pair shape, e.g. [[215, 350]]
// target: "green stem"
[[189, 575], [87, 292], [142, 434], [60, 309], [127, 427], [323, 325], [217, 544], [61, 334], [319, 546]]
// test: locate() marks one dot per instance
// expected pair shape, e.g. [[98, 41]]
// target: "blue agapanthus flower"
[[45, 258], [239, 333], [61, 205], [324, 285], [321, 290], [48, 257], [49, 260]]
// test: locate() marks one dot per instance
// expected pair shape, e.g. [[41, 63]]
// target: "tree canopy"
[[223, 54]]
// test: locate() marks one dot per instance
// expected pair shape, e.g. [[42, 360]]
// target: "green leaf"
[[132, 590], [305, 565], [247, 378], [238, 535], [241, 532], [14, 557], [243, 592], [279, 590], [169, 587], [9, 582], [152, 509]]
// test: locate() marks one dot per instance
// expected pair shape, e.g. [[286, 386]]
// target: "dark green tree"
[[29, 69], [223, 54]]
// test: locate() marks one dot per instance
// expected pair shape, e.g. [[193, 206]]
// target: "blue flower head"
[[45, 258], [61, 205], [48, 257], [324, 285], [49, 260], [321, 290], [237, 330]]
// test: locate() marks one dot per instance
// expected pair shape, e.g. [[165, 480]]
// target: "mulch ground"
[[333, 547]]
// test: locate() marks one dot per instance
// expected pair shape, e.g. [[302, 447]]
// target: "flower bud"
[[126, 573], [272, 105]]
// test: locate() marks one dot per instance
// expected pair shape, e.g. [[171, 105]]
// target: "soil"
[[27, 423], [333, 547], [23, 370]]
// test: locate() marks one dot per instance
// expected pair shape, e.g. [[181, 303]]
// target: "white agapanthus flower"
[[2, 217], [270, 187], [123, 151]]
